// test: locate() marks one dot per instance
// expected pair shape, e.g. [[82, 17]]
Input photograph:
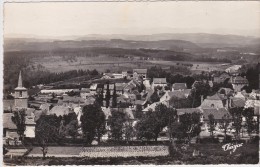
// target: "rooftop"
[[60, 110], [239, 80], [140, 71], [159, 81], [182, 111], [7, 121], [218, 113], [178, 86]]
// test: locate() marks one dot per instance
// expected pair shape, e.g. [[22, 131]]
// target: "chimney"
[[201, 98]]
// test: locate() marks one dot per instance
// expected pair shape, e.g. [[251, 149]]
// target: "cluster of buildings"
[[130, 93]]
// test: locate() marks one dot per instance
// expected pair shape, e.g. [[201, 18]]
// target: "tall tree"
[[224, 124], [211, 124], [99, 98], [248, 113], [145, 127], [108, 96], [177, 102], [92, 122], [152, 123], [46, 131], [19, 120], [128, 130], [138, 111], [116, 122], [189, 126], [199, 89], [237, 119], [114, 97]]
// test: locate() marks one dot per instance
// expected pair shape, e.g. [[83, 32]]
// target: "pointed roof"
[[20, 83]]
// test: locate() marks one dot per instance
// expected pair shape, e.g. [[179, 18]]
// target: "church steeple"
[[21, 95], [20, 81]]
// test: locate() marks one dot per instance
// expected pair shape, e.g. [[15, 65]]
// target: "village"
[[135, 96]]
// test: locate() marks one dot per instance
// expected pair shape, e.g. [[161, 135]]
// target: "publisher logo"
[[231, 147]]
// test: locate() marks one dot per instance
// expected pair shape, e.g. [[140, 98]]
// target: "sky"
[[50, 19]]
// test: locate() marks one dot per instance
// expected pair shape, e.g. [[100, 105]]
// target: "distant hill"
[[33, 44], [171, 41], [202, 39]]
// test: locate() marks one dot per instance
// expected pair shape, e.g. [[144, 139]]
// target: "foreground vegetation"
[[208, 154]]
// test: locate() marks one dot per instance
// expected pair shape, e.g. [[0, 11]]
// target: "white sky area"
[[57, 19]]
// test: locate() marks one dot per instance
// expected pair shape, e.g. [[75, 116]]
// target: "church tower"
[[21, 95]]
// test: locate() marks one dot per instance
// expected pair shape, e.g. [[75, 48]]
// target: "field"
[[100, 63], [118, 64], [197, 67]]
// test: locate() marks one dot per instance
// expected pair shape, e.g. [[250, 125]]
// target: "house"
[[57, 91], [221, 78], [72, 99], [89, 100], [139, 73], [117, 76], [30, 125], [239, 95], [120, 88], [238, 83], [255, 94], [233, 69], [84, 93], [43, 97], [9, 128], [179, 86], [139, 102], [127, 74], [60, 110], [180, 94], [93, 89], [214, 101], [226, 91], [146, 83], [8, 105], [218, 114], [237, 102], [107, 76], [254, 104], [131, 86], [124, 74], [159, 82]]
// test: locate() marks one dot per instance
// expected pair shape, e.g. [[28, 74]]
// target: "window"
[[212, 105], [20, 94]]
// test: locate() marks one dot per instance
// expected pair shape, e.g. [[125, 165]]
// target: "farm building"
[[238, 83], [139, 73], [161, 82], [221, 78], [215, 101], [179, 86]]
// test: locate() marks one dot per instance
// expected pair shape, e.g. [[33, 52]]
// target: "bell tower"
[[21, 95]]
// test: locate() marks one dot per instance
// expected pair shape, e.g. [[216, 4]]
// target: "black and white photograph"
[[130, 83]]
